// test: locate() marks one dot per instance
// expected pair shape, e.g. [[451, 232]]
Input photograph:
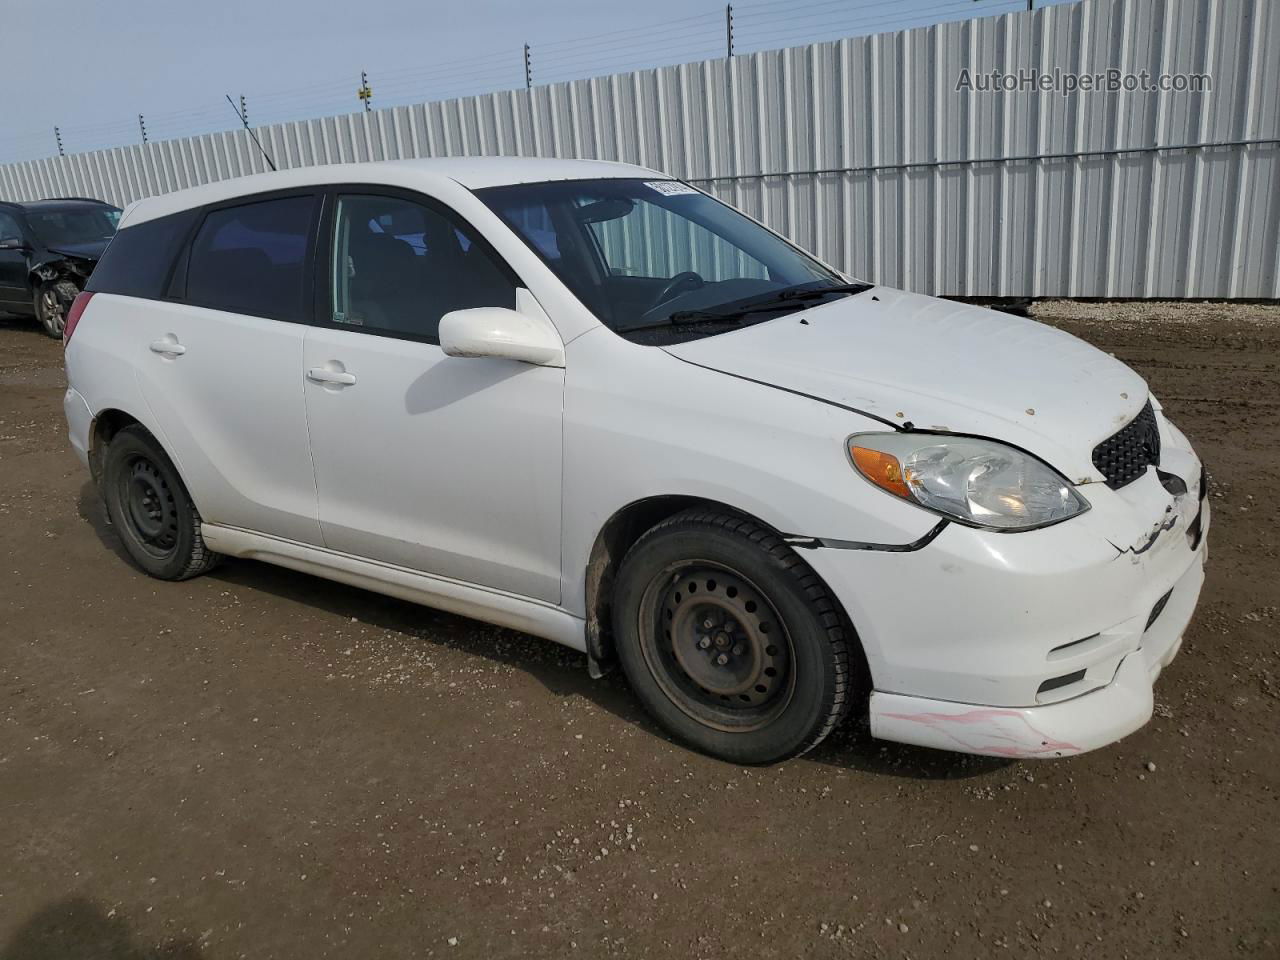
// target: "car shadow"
[[562, 671], [91, 509], [15, 321], [79, 928], [851, 746], [455, 379]]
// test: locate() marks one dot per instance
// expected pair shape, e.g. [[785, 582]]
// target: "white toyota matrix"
[[592, 403]]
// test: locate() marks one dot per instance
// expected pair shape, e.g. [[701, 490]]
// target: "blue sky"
[[91, 66]]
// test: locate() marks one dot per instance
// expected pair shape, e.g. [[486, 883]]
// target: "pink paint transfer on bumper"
[[1083, 723]]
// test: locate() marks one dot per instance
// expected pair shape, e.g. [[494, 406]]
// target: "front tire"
[[51, 302], [731, 641], [151, 509]]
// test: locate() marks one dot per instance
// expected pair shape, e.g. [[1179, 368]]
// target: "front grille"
[[1125, 455]]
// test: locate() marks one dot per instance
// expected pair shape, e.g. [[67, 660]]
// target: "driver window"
[[399, 266], [627, 248]]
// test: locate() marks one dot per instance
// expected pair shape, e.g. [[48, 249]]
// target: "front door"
[[446, 465]]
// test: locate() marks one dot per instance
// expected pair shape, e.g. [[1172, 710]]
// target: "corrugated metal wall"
[[863, 151]]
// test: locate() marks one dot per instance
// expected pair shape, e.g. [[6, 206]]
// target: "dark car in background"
[[48, 248]]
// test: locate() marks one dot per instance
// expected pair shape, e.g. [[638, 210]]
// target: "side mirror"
[[500, 332], [13, 243]]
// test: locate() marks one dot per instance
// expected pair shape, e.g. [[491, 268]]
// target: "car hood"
[[941, 366], [91, 250]]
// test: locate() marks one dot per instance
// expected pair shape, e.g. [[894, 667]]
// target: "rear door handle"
[[325, 375], [168, 346]]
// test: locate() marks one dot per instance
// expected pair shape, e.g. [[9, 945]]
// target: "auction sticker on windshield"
[[670, 188]]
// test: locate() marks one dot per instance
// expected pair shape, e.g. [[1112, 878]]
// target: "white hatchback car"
[[590, 402]]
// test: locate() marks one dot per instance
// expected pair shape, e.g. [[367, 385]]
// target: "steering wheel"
[[680, 283]]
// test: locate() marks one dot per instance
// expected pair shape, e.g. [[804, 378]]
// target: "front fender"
[[640, 424]]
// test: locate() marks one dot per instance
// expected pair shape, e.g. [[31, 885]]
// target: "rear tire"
[[51, 301], [731, 641], [151, 509]]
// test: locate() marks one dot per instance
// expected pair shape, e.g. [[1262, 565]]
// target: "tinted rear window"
[[138, 259], [251, 259]]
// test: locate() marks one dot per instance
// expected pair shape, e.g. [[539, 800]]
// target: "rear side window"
[[252, 259], [138, 259]]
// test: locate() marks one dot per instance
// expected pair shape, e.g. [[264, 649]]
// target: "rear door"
[[446, 465], [220, 364]]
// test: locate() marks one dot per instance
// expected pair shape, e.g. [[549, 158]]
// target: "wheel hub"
[[150, 504], [51, 307], [724, 641]]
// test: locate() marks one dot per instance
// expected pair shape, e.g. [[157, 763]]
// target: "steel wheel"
[[716, 646], [159, 526], [150, 507], [729, 639]]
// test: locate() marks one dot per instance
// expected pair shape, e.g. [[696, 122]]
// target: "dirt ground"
[[263, 764]]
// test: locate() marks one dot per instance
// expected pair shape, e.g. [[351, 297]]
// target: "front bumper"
[[1072, 726], [1036, 644]]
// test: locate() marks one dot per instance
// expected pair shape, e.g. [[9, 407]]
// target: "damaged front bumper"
[[1036, 644], [1076, 725]]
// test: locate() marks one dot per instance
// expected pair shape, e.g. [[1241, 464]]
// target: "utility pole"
[[244, 111], [142, 125], [528, 69], [365, 92], [728, 28], [57, 134]]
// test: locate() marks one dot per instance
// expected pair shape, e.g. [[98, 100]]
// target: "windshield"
[[72, 226], [655, 254]]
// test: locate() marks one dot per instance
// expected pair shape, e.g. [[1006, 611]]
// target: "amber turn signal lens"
[[882, 469]]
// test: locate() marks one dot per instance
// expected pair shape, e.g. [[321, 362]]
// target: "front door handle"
[[325, 375], [168, 346]]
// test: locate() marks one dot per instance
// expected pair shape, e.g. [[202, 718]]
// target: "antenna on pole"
[[528, 69], [244, 118], [244, 111], [728, 28], [57, 135], [365, 92], [142, 125]]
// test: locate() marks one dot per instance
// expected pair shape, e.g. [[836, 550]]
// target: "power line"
[[568, 71], [859, 18], [653, 57], [711, 35], [816, 33], [754, 25], [629, 31]]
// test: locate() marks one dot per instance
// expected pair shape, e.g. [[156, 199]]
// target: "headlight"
[[978, 482]]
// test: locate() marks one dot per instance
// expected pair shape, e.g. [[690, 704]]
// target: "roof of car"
[[55, 203], [474, 173]]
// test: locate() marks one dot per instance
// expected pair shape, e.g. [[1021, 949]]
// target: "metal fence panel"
[[864, 150]]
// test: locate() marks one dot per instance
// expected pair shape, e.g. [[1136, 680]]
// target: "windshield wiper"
[[776, 300], [813, 293], [736, 313], [683, 318]]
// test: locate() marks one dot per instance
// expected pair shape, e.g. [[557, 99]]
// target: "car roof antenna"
[[243, 114]]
